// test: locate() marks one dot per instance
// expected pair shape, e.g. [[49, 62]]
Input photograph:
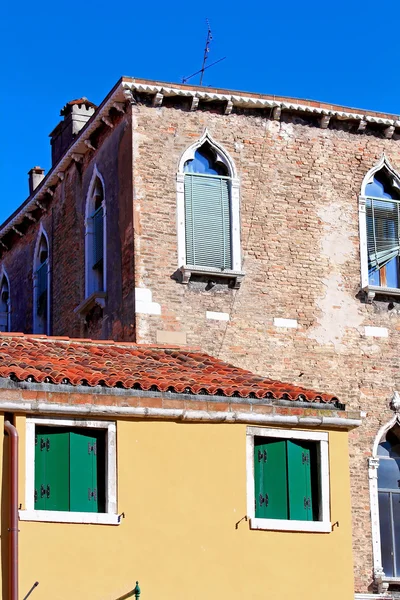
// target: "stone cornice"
[[127, 89]]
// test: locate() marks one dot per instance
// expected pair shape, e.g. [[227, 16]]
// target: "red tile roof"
[[58, 360]]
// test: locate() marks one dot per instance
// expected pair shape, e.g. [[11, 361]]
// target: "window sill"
[[90, 302], [189, 270], [282, 525], [377, 290], [60, 516]]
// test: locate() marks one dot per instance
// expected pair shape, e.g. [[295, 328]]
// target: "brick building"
[[294, 275]]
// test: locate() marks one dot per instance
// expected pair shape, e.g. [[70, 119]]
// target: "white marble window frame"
[[234, 193], [110, 517], [322, 440]]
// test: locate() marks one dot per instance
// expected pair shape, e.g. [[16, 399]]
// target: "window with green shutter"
[[286, 479], [70, 469], [207, 211]]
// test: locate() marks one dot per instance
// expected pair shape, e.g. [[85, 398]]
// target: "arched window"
[[389, 501], [5, 306], [380, 231], [95, 235], [208, 210], [41, 285]]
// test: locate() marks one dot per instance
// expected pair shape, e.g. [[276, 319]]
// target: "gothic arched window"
[[208, 210], [389, 501], [381, 194], [5, 311], [41, 285], [95, 255]]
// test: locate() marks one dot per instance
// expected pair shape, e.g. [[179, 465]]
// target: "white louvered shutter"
[[207, 221], [383, 239]]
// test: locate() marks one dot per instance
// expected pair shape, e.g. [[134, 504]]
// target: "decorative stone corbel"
[[388, 132], [395, 402], [89, 144], [119, 106], [370, 296], [43, 208], [228, 107], [77, 157], [276, 113], [60, 175], [2, 244], [107, 122], [50, 192], [324, 121], [195, 103], [17, 231], [362, 126], [129, 96], [30, 217], [379, 577], [158, 100]]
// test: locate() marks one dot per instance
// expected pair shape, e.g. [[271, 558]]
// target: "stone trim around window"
[[187, 270], [322, 526], [371, 290], [110, 517]]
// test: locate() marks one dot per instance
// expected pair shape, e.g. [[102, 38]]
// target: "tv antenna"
[[206, 52]]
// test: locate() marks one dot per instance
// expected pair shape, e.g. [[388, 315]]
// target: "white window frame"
[[321, 438], [234, 198], [36, 328], [110, 517], [89, 285], [372, 290], [3, 274], [381, 580]]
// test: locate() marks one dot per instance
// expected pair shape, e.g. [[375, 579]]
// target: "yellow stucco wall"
[[182, 487]]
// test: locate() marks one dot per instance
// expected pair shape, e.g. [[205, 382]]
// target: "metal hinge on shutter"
[[262, 456], [92, 448], [92, 494], [305, 458]]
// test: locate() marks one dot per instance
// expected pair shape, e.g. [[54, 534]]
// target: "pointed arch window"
[[41, 286], [5, 303], [380, 230], [95, 257], [208, 212]]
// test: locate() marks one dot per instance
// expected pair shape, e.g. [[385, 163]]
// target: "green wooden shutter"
[[270, 476], [40, 471], [207, 221], [57, 470], [51, 469], [299, 476], [83, 472]]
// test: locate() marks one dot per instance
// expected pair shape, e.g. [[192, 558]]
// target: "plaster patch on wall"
[[217, 316], [286, 131], [288, 323], [376, 331], [336, 243], [338, 313], [144, 302]]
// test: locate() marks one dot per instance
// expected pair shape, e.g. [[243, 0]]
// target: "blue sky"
[[54, 52]]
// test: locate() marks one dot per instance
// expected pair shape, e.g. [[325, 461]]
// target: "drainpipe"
[[13, 499]]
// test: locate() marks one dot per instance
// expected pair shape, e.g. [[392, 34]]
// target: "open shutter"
[[270, 479], [40, 471], [207, 221], [299, 478], [382, 232], [83, 472], [56, 459]]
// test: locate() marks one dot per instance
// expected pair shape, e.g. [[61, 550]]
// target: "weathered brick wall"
[[300, 245], [64, 224]]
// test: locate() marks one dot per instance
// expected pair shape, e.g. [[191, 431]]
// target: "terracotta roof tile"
[[35, 358]]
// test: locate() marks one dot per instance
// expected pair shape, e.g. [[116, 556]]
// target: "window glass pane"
[[204, 162], [392, 273], [386, 533], [396, 526], [389, 474]]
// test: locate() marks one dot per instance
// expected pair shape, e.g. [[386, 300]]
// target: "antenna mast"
[[206, 51]]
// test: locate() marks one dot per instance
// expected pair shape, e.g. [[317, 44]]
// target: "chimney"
[[76, 114], [36, 175]]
